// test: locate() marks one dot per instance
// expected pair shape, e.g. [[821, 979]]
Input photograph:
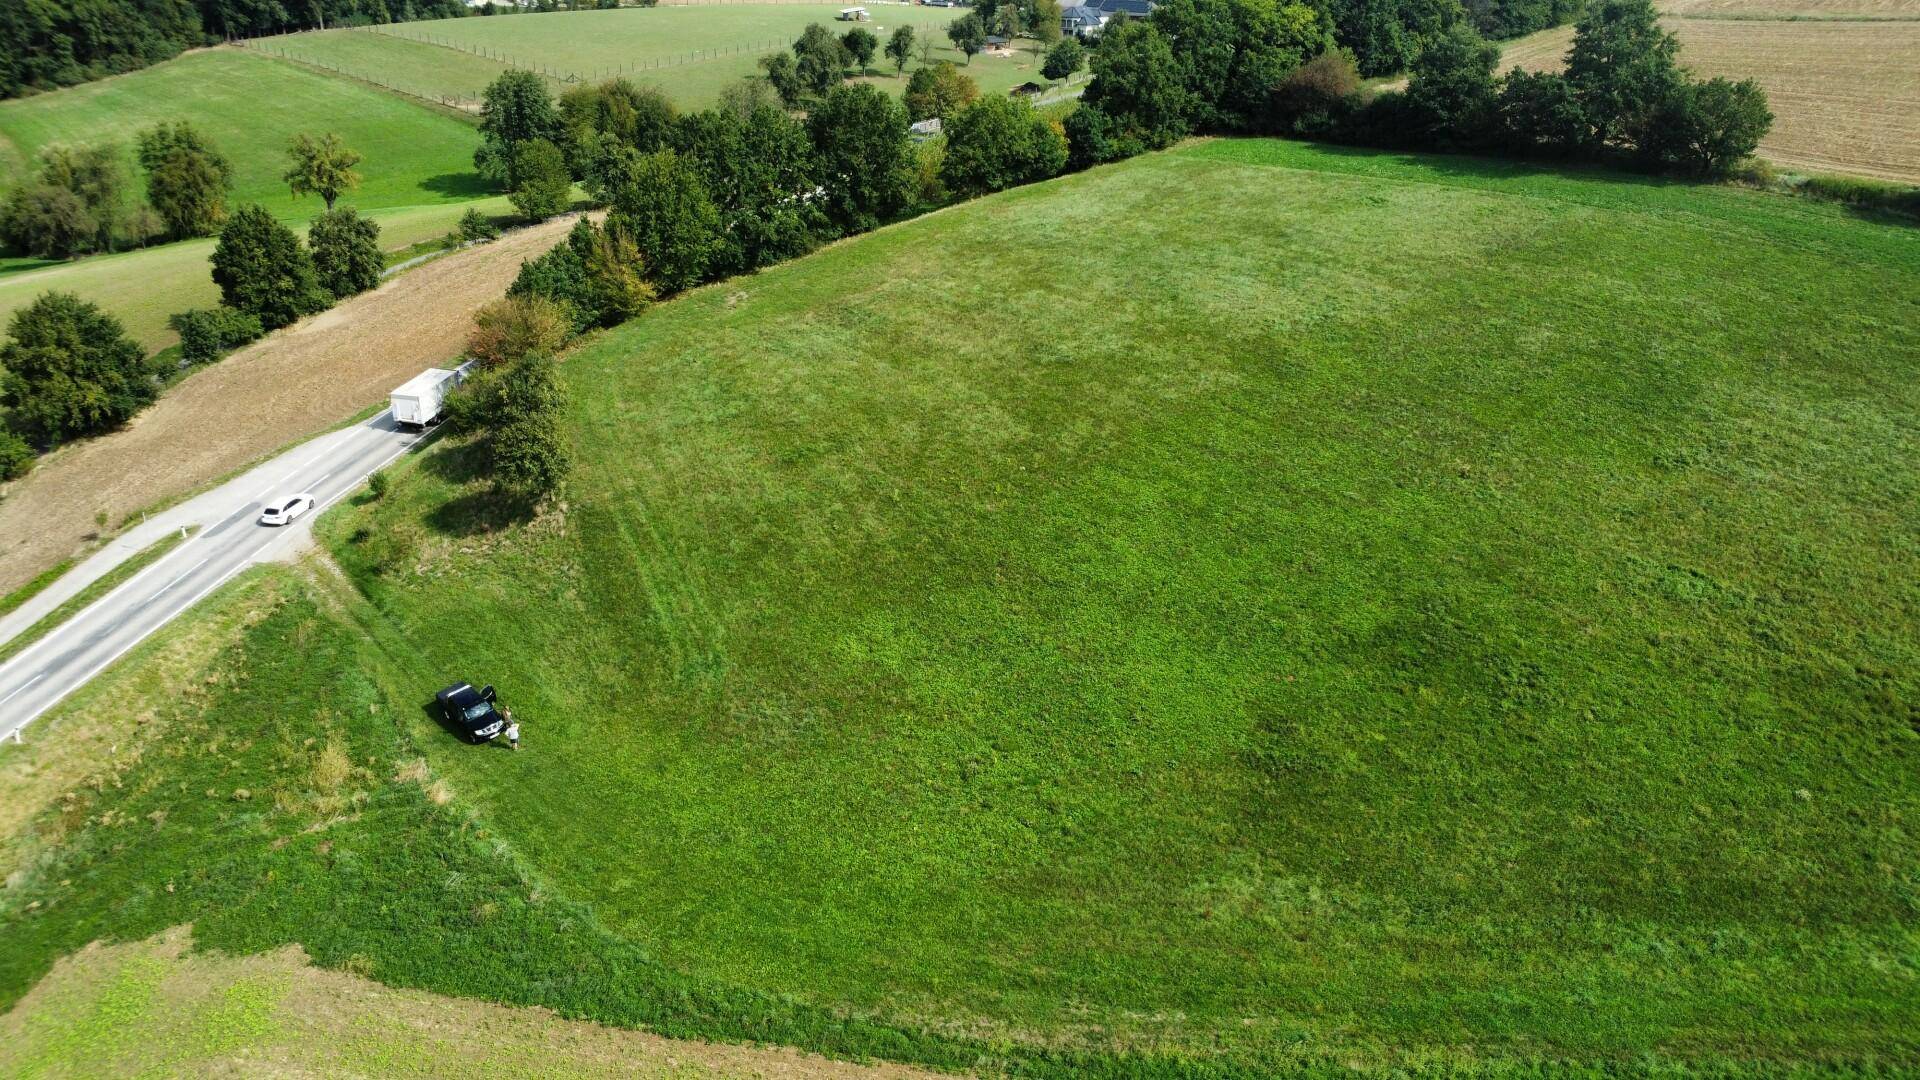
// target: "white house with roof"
[[1088, 19]]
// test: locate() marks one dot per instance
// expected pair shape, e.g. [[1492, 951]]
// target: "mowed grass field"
[[1466, 620], [250, 107], [692, 52], [1842, 77]]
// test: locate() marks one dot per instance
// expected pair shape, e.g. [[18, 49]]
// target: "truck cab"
[[471, 711]]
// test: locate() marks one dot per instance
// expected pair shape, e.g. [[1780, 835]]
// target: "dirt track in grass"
[[293, 384]]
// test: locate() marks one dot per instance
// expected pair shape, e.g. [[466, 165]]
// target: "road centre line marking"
[[22, 687], [143, 635], [82, 613], [176, 579]]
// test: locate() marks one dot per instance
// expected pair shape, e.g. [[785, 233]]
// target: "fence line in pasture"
[[460, 104], [501, 56]]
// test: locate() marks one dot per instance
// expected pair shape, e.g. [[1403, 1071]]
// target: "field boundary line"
[[461, 107], [566, 75]]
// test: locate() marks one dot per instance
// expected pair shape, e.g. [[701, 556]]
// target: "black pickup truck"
[[471, 711]]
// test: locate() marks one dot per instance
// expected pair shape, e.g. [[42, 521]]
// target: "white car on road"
[[283, 510]]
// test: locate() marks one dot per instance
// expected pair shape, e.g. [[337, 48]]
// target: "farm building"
[[852, 14]]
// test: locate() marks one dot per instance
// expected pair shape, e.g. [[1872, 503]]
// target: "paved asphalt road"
[[230, 538]]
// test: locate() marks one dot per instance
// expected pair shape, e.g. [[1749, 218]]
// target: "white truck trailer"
[[417, 404]]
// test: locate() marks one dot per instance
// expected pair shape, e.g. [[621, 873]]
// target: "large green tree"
[[900, 48], [759, 169], [867, 169], [346, 252], [1705, 128], [46, 221], [968, 34], [820, 59], [998, 143], [1385, 35], [187, 179], [783, 74], [592, 275], [70, 370], [97, 177], [860, 45], [322, 166], [515, 408], [1540, 114], [261, 267], [529, 453], [939, 90], [1451, 96], [1621, 68], [1066, 57], [542, 186], [516, 108], [663, 204], [609, 115], [1139, 88]]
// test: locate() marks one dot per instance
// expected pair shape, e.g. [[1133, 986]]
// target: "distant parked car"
[[283, 510], [471, 711]]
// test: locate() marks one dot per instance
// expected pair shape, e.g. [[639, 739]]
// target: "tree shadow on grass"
[[1496, 167], [481, 511], [482, 507], [465, 185]]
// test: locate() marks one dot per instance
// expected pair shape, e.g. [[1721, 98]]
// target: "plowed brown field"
[[293, 384]]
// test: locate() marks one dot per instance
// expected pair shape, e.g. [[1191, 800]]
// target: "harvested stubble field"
[[1793, 9], [296, 383], [1845, 93]]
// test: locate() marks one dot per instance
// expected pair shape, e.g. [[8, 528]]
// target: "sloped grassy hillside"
[[1258, 603]]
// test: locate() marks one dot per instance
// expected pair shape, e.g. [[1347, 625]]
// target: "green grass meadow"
[[691, 52], [250, 107], [417, 168], [1253, 607]]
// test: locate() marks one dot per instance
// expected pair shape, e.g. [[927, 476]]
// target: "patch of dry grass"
[[155, 1007], [100, 732]]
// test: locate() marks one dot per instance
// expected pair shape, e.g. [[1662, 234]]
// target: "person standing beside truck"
[[513, 729]]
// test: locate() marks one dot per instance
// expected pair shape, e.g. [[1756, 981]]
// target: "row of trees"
[[1191, 66], [46, 44], [68, 370], [820, 61], [1253, 66], [78, 202], [1038, 20], [1622, 99]]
